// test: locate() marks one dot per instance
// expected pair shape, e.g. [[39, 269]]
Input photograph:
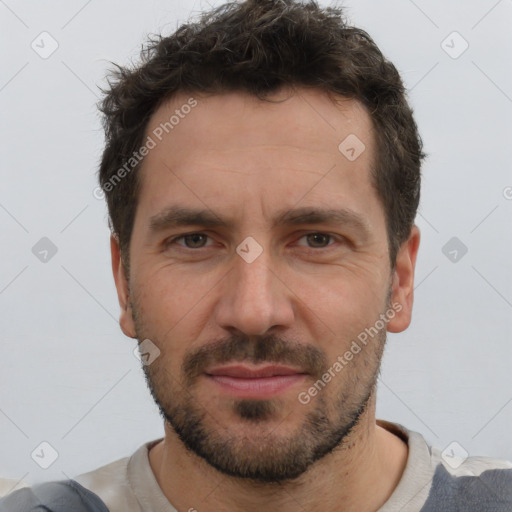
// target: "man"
[[262, 174]]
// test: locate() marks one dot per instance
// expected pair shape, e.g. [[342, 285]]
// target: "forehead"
[[301, 118], [235, 150]]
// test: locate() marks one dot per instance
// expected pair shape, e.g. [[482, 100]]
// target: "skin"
[[245, 159]]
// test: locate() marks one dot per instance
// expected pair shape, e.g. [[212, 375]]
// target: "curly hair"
[[259, 46]]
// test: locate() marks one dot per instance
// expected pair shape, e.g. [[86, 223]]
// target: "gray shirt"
[[431, 482]]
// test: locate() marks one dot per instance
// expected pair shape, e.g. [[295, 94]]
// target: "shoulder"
[[109, 488], [8, 485], [448, 480], [61, 496], [476, 484], [111, 483], [127, 484]]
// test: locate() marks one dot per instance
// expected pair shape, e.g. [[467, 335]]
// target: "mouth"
[[255, 382]]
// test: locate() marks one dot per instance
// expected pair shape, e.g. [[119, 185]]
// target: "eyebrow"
[[175, 216]]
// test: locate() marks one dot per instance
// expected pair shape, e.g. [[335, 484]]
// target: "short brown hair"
[[259, 46]]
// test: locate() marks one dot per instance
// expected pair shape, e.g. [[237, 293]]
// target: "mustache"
[[250, 349]]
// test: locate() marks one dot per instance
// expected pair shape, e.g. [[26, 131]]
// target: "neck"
[[370, 458]]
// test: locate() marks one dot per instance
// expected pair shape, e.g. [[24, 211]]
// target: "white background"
[[68, 375]]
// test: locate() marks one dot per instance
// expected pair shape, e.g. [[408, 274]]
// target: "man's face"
[[265, 283]]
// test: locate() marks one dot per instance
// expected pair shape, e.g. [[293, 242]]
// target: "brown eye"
[[195, 240], [192, 240], [318, 239]]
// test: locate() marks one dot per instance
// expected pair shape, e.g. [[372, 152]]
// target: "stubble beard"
[[264, 451]]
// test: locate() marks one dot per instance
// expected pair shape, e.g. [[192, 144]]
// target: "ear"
[[403, 282], [126, 317]]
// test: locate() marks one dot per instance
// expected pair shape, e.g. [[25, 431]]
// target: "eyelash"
[[330, 236]]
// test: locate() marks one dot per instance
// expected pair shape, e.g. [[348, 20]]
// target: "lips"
[[245, 372], [255, 382]]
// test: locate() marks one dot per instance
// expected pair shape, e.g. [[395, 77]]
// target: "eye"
[[315, 240], [192, 240], [318, 240]]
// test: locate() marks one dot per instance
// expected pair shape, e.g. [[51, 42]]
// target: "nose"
[[254, 299]]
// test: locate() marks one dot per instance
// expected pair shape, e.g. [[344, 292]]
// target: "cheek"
[[172, 309], [343, 311], [347, 295], [168, 293]]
